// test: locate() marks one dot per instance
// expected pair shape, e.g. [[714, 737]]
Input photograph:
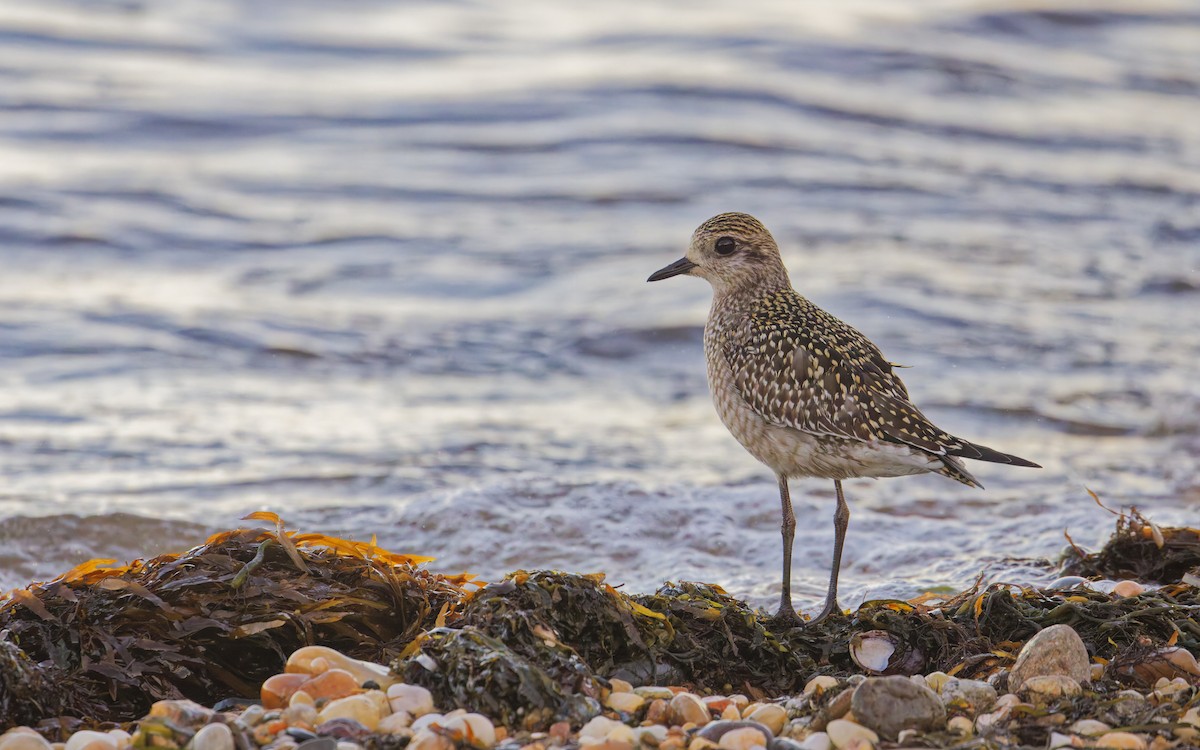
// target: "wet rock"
[[842, 733], [1048, 687], [1057, 650], [890, 704], [974, 695], [213, 737], [716, 730]]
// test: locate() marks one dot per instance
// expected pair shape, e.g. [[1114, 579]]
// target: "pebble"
[[974, 695], [396, 723], [652, 692], [771, 715], [1190, 718], [817, 741], [212, 737], [429, 740], [123, 738], [1128, 588], [1090, 727], [961, 725], [890, 704], [277, 689], [1057, 650], [599, 727], [330, 684], [625, 702], [16, 739], [314, 660], [1049, 687], [617, 685], [842, 733], [716, 730], [743, 738], [687, 708], [820, 684], [360, 708], [89, 740], [1059, 740], [937, 680], [475, 729], [413, 700], [657, 712], [1121, 741]]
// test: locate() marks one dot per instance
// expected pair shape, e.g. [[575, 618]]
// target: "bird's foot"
[[786, 617], [831, 608]]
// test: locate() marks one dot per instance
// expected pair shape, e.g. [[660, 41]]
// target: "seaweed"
[[210, 623], [1141, 550]]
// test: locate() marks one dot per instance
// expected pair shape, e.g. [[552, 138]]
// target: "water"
[[380, 268]]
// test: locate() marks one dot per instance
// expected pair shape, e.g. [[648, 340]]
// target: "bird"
[[803, 392]]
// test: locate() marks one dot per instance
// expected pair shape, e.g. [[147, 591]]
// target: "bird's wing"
[[798, 366]]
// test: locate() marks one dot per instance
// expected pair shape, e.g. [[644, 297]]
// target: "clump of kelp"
[[103, 643], [106, 642]]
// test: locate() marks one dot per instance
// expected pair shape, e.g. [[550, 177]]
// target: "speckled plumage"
[[803, 392]]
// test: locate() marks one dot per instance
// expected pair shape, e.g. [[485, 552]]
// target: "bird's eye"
[[725, 246]]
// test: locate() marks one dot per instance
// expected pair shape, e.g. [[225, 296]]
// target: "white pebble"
[[842, 733], [599, 727], [397, 723], [475, 729], [213, 737], [1059, 740], [414, 700], [742, 739], [316, 659], [428, 740], [89, 740], [817, 741], [1090, 727], [23, 738], [424, 721], [123, 738], [1191, 720]]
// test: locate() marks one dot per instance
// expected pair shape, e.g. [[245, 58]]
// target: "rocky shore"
[[277, 640]]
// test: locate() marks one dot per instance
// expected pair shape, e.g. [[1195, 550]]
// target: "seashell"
[[277, 689], [357, 707], [414, 700], [313, 660], [1165, 663], [212, 737], [872, 650]]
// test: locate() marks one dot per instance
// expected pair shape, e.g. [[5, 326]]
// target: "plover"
[[803, 392]]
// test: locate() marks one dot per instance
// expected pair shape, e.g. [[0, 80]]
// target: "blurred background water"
[[380, 267]]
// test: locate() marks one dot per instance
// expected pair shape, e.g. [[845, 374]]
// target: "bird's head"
[[732, 251]]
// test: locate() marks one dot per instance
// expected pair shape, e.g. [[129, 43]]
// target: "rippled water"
[[380, 267]]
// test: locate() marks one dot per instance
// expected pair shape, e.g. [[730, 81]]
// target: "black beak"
[[683, 265]]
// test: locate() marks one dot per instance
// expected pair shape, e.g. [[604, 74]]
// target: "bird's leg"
[[841, 519], [786, 614]]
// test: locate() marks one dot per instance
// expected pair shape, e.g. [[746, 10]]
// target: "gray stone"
[[717, 729], [1057, 650], [891, 704], [975, 695]]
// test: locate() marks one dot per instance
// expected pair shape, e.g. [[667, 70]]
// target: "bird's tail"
[[953, 468], [984, 453]]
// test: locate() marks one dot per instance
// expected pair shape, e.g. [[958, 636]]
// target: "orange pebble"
[[277, 689], [331, 684]]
